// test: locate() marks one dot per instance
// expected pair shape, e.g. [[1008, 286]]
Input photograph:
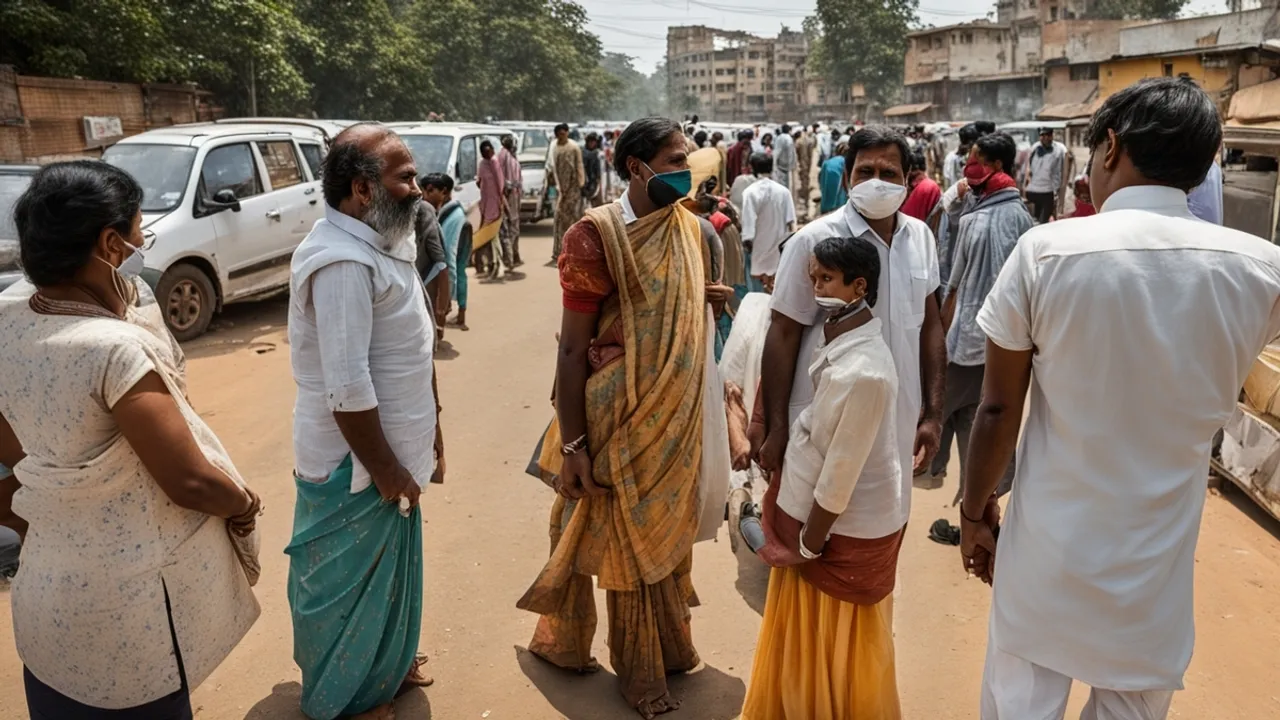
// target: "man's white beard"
[[392, 220]]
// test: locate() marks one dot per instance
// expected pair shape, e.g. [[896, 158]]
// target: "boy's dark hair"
[[561, 126], [438, 181], [761, 164], [854, 258], [999, 146], [1169, 127]]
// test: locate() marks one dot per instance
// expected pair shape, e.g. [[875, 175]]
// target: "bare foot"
[[382, 712], [650, 709]]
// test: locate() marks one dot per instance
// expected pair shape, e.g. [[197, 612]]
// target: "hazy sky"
[[639, 27]]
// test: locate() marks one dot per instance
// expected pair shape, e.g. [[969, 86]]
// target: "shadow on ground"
[[242, 325], [753, 578], [282, 704], [706, 693]]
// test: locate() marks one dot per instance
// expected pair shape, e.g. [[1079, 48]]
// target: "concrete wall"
[[1082, 41], [1119, 74], [732, 76], [1060, 89], [1243, 28]]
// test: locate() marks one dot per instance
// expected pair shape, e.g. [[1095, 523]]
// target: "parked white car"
[[226, 203], [453, 149]]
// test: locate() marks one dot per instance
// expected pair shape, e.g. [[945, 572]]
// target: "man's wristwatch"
[[804, 551]]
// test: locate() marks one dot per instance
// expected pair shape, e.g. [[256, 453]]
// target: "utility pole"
[[253, 90]]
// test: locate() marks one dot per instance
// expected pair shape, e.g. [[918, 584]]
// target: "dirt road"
[[486, 538]]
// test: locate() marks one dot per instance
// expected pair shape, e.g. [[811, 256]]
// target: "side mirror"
[[225, 199]]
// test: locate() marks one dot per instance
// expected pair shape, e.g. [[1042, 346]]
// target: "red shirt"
[[924, 196]]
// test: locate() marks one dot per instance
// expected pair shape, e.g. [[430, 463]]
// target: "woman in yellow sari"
[[625, 450]]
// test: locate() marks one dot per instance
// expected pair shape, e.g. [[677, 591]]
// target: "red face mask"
[[977, 174]]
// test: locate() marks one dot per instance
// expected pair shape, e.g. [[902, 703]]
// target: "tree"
[[1137, 9], [863, 42]]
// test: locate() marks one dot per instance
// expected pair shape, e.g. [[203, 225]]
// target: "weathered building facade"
[[729, 76], [1222, 53], [967, 71]]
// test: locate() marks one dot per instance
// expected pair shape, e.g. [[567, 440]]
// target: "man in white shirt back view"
[[1139, 326], [768, 217]]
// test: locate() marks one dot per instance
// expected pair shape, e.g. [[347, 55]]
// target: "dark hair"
[[642, 140], [345, 163], [855, 258], [439, 181], [717, 136], [694, 119], [877, 136], [761, 164], [917, 161], [1169, 127], [999, 146], [786, 128], [485, 144], [968, 134], [745, 135], [561, 126], [591, 136], [984, 127], [700, 137], [63, 212]]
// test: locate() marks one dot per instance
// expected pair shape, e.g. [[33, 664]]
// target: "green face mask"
[[667, 188]]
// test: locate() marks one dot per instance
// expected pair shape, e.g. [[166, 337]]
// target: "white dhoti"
[[1016, 689]]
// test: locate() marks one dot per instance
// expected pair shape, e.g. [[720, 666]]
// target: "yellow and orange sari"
[[644, 420]]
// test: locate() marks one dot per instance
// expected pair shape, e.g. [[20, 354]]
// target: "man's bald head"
[[360, 155]]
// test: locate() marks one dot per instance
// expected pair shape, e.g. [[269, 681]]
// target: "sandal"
[[944, 532], [415, 676]]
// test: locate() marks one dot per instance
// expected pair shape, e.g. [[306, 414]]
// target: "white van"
[[224, 206], [453, 149]]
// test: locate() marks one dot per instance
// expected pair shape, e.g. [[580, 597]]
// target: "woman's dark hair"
[[761, 164], [439, 181], [855, 258], [877, 136], [1169, 127], [642, 140], [999, 146], [345, 163], [63, 212]]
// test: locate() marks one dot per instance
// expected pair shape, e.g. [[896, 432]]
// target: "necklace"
[[47, 306]]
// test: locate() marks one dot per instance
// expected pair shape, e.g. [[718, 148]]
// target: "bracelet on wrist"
[[574, 447]]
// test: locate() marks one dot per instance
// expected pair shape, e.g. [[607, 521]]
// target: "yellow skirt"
[[819, 658]]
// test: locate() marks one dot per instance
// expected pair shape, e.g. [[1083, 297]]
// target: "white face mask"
[[123, 278], [830, 303], [132, 265], [877, 199]]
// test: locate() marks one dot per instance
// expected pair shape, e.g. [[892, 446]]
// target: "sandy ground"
[[486, 538]]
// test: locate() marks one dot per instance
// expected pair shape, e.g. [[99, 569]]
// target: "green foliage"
[[1137, 9], [862, 41], [381, 59]]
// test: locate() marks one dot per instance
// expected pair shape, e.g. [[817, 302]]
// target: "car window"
[[430, 153], [230, 167], [11, 188], [467, 154], [313, 155], [163, 171], [281, 162]]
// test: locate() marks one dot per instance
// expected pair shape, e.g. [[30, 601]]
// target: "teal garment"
[[829, 183], [355, 590], [452, 219]]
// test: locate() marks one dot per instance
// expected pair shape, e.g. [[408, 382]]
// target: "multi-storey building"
[[729, 76]]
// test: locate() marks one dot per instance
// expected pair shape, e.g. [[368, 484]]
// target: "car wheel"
[[187, 297]]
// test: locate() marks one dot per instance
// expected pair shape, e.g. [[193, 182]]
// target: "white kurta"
[[1145, 322], [106, 543]]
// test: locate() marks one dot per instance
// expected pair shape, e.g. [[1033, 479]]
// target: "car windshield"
[[11, 188], [430, 152], [162, 170], [534, 140]]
